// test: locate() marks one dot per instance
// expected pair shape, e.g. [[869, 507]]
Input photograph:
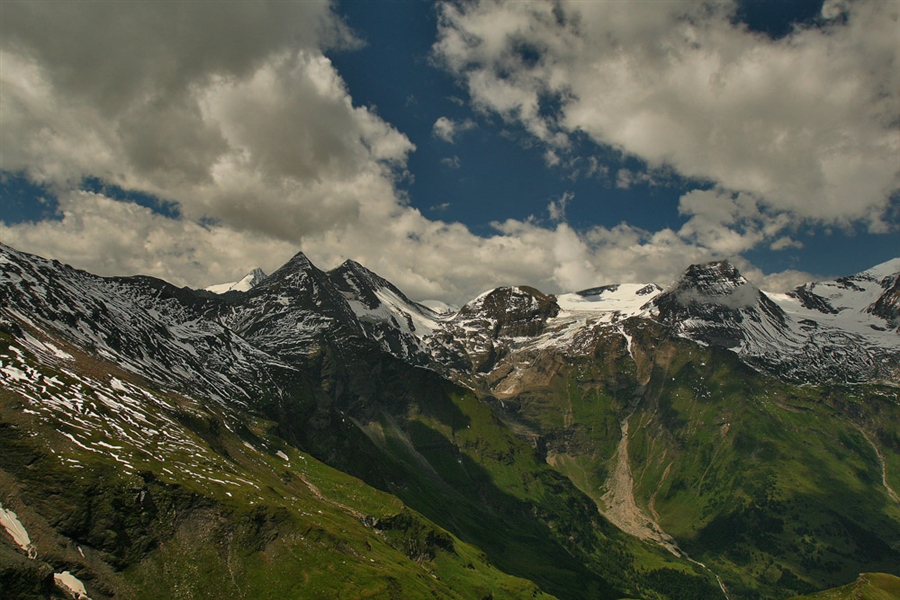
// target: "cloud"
[[785, 242], [451, 162], [784, 281], [117, 55], [262, 148], [625, 178], [260, 136], [557, 207], [806, 124], [729, 223], [119, 238], [447, 129], [442, 260]]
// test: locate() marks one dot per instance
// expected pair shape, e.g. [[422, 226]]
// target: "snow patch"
[[245, 284], [626, 299], [14, 527], [71, 584], [629, 341]]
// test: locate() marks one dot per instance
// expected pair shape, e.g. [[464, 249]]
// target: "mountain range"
[[319, 434]]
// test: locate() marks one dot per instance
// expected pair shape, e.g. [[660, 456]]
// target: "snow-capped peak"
[[885, 269], [244, 284], [716, 283]]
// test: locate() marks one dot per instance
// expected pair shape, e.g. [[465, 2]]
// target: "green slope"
[[445, 452], [868, 586], [776, 488], [211, 511]]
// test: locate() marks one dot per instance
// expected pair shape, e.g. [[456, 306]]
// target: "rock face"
[[146, 325], [288, 314], [510, 312], [385, 314], [488, 328], [888, 304]]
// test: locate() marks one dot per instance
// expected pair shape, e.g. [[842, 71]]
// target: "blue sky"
[[453, 147]]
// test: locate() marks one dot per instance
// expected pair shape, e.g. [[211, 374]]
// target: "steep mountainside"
[[622, 441], [385, 313]]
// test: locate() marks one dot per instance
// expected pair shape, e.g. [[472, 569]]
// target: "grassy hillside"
[[445, 453], [777, 489], [142, 493], [868, 586]]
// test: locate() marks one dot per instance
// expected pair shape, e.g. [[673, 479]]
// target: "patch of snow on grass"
[[69, 583], [14, 527], [14, 373]]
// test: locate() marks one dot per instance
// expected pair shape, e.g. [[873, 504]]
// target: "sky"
[[453, 147]]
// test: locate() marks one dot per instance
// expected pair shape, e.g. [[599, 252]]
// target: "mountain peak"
[[299, 260], [715, 304], [352, 265], [244, 284], [517, 310], [717, 282], [357, 282], [298, 266], [885, 269], [720, 270], [257, 275]]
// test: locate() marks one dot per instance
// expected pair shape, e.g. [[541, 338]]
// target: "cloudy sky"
[[453, 146]]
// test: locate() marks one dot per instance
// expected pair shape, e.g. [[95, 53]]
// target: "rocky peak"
[[717, 282], [300, 280], [715, 304], [356, 282], [255, 277], [298, 263], [293, 312], [512, 311]]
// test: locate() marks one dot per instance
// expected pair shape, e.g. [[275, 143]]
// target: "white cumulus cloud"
[[807, 124]]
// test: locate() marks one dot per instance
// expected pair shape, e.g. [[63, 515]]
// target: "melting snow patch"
[[46, 347], [14, 527], [69, 583], [629, 340], [110, 446], [14, 373], [282, 455]]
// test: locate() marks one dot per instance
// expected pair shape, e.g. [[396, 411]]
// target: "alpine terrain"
[[313, 434]]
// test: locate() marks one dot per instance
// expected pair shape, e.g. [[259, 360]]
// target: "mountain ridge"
[[778, 333]]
